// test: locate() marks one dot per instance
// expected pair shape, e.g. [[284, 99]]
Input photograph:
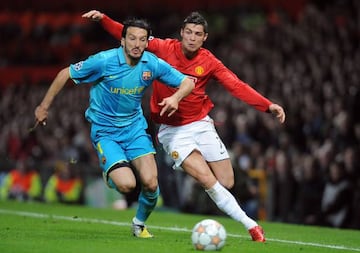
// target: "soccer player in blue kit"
[[119, 79]]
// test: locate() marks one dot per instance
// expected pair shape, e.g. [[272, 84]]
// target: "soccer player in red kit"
[[189, 136]]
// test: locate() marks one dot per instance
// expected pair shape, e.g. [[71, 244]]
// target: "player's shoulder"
[[149, 56], [108, 53], [105, 55], [152, 59], [207, 58], [154, 62], [203, 52], [162, 43]]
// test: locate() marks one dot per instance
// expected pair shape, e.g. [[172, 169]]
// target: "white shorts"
[[180, 141]]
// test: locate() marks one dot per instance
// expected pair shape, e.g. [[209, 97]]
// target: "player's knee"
[[207, 180], [121, 177], [126, 187], [151, 185]]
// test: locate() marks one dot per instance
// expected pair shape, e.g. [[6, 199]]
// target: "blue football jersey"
[[117, 88]]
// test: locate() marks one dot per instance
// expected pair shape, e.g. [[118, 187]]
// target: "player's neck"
[[189, 54], [132, 61]]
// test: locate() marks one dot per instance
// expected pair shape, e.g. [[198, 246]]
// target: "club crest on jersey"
[[174, 155], [103, 159], [199, 70], [146, 75]]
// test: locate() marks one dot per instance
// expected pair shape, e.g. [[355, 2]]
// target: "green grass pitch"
[[37, 228]]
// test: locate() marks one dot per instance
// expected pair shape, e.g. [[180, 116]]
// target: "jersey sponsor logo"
[[174, 155], [127, 91], [199, 70], [146, 75], [78, 65]]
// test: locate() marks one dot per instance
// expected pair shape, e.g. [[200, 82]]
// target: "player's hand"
[[170, 105], [278, 111], [41, 115], [93, 15]]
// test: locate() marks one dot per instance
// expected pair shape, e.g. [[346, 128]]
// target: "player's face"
[[193, 37], [134, 43]]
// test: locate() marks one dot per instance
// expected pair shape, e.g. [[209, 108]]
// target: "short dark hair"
[[136, 22], [197, 19]]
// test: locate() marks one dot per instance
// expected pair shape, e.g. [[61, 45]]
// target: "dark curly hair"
[[136, 22], [197, 19]]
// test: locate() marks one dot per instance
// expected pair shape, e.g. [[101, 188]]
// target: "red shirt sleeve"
[[240, 89], [112, 27]]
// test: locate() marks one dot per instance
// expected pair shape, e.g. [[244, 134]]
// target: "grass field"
[[37, 228]]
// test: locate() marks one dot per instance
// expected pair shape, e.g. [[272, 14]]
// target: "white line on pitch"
[[116, 223]]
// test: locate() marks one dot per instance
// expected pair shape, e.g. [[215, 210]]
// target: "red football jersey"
[[203, 67]]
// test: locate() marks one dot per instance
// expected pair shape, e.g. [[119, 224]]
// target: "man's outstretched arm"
[[110, 25]]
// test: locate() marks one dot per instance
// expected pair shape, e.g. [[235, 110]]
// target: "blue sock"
[[147, 203]]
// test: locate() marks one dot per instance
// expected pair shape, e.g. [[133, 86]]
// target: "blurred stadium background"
[[301, 54]]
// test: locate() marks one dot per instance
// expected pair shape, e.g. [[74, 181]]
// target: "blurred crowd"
[[305, 171]]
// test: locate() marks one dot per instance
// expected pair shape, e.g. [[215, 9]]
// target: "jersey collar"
[[122, 60]]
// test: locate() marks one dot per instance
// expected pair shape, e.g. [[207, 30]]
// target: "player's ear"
[[122, 41], [205, 37]]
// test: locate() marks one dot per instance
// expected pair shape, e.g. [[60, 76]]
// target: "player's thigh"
[[224, 172], [123, 178], [178, 143], [147, 169], [211, 146], [139, 144]]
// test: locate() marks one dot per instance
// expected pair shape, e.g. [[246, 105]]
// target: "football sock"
[[137, 221], [228, 204], [147, 203]]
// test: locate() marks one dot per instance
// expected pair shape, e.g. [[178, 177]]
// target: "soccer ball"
[[208, 235]]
